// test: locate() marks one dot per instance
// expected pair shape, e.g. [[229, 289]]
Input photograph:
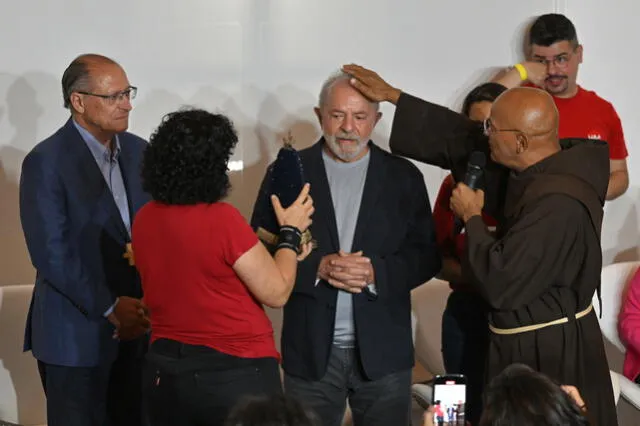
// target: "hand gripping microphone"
[[475, 170]]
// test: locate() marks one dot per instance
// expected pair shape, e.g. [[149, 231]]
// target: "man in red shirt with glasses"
[[554, 57]]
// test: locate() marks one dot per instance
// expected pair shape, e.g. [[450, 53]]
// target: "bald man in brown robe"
[[541, 269]]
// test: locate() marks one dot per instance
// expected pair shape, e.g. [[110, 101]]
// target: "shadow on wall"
[[520, 40], [274, 122], [23, 112], [253, 151], [476, 78], [519, 46], [244, 184]]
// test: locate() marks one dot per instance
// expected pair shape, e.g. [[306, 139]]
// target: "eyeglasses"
[[129, 93], [559, 61], [488, 127]]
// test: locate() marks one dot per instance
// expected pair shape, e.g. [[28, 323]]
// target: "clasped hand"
[[350, 272], [130, 317]]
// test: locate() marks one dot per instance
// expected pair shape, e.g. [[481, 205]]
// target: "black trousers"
[[186, 385], [105, 395], [465, 343]]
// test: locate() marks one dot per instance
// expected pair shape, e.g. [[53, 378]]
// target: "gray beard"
[[334, 147]]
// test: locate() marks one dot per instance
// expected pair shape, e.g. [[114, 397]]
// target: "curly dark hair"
[[186, 160]]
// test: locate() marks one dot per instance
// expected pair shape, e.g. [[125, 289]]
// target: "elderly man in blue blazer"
[[79, 191]]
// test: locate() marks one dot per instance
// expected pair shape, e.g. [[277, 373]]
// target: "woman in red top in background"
[[205, 276], [465, 331]]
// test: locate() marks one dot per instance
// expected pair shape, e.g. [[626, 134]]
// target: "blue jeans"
[[382, 402], [465, 343]]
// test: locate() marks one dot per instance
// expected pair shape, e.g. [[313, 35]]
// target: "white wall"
[[263, 61]]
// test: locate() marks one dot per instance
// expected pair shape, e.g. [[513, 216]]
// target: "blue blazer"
[[76, 239]]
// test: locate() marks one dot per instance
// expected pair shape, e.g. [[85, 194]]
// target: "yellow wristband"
[[522, 71]]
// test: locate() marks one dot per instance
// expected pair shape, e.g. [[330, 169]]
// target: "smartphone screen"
[[449, 397]]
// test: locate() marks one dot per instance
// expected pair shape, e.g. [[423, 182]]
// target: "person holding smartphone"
[[524, 397]]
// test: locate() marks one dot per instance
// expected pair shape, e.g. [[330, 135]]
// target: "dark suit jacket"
[[76, 239], [396, 231]]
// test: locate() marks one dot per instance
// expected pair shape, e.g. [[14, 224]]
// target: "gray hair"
[[334, 78], [77, 76]]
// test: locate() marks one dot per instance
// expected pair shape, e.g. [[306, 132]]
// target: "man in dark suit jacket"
[[79, 191], [347, 326]]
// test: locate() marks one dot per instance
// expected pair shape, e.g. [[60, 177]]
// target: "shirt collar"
[[99, 150]]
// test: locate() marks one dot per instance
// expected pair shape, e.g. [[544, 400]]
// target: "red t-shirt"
[[444, 219], [587, 115], [185, 256]]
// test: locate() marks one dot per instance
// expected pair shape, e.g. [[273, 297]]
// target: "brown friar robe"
[[545, 260]]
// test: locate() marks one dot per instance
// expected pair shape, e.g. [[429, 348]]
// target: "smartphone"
[[449, 399]]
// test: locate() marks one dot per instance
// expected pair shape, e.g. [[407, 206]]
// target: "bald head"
[[523, 127], [78, 73], [530, 110], [95, 59], [98, 93]]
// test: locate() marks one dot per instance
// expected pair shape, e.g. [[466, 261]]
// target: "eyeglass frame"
[[130, 93], [487, 124], [564, 56]]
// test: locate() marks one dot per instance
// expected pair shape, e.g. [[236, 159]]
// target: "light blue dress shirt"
[[107, 161]]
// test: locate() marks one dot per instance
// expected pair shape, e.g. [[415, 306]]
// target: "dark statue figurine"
[[286, 181]]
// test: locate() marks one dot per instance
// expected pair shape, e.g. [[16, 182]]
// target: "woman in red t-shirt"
[[465, 331], [205, 276]]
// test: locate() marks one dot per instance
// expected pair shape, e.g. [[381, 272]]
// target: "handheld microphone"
[[475, 170]]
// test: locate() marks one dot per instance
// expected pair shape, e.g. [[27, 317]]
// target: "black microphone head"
[[477, 159], [475, 169]]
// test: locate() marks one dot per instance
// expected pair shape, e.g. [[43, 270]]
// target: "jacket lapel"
[[373, 185], [316, 175], [92, 185], [129, 162]]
